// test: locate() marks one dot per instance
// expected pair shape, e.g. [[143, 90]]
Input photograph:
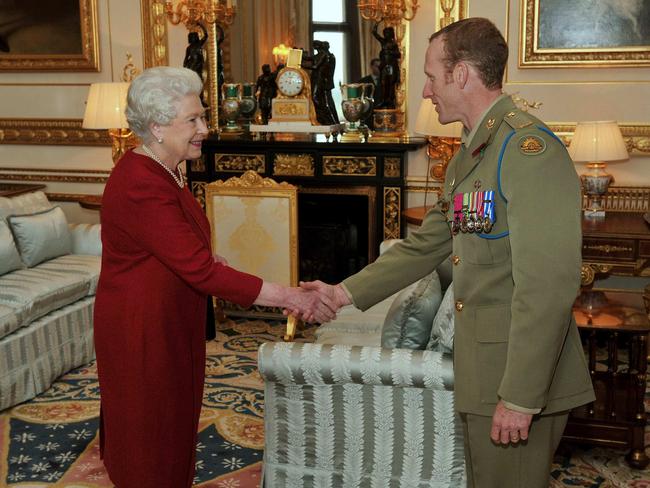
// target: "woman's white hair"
[[153, 96]]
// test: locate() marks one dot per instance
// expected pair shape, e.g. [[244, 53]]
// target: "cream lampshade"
[[443, 140], [597, 143], [105, 108]]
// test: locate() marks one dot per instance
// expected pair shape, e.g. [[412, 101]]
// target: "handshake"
[[312, 301], [315, 301]]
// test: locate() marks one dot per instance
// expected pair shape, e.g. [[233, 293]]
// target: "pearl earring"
[[159, 140]]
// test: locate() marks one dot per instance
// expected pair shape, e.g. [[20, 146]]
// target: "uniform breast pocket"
[[492, 328], [480, 250]]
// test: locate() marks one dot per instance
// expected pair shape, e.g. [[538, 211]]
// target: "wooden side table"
[[614, 327], [91, 202]]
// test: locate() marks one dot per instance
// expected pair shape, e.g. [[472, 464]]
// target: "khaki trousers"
[[524, 465]]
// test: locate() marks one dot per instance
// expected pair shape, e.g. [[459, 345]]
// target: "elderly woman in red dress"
[[157, 273]]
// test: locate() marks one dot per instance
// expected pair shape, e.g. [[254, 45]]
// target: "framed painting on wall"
[[48, 35], [584, 33]]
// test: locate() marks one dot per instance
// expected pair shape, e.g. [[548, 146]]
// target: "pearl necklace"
[[180, 181]]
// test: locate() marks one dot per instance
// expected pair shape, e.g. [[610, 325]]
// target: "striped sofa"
[[45, 307], [345, 412]]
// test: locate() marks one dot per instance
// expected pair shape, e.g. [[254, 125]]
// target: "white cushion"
[[26, 203], [410, 317], [442, 331], [40, 236], [9, 257]]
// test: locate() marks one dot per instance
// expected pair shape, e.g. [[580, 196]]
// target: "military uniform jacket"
[[514, 278]]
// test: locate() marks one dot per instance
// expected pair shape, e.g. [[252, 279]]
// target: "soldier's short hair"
[[476, 41]]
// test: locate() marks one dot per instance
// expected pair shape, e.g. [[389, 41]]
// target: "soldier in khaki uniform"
[[510, 219]]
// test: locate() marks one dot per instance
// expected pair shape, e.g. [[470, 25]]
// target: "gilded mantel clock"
[[293, 102]]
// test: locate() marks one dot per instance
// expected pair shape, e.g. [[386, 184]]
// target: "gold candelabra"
[[190, 12], [391, 12], [210, 14]]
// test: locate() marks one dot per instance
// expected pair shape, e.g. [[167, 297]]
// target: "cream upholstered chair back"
[[254, 223]]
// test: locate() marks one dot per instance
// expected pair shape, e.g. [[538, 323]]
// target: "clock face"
[[290, 82]]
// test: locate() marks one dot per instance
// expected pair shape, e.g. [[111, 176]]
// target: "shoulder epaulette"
[[518, 119]]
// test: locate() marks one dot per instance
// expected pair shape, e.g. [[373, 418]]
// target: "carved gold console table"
[[371, 175]]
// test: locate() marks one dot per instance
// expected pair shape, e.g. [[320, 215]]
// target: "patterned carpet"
[[52, 440]]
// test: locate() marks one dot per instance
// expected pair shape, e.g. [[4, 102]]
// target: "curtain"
[[259, 25], [368, 46]]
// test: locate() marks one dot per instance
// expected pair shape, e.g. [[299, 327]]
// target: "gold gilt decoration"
[[291, 109], [293, 165], [391, 167], [349, 166], [251, 179], [198, 190], [625, 199], [198, 165], [531, 54], [588, 272], [239, 162], [86, 60], [49, 132], [154, 33], [392, 205], [607, 248]]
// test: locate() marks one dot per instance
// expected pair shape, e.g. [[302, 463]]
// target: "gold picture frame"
[[78, 50], [562, 34], [68, 132]]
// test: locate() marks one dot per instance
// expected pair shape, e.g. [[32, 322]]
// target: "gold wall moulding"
[[293, 165], [42, 57], [67, 132], [636, 136], [392, 167], [231, 163], [349, 166], [154, 33], [623, 43], [392, 210], [56, 175]]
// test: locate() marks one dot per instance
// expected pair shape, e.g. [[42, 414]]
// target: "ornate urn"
[[247, 103], [231, 107], [353, 109]]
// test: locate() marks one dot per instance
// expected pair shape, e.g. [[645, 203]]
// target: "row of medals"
[[471, 223]]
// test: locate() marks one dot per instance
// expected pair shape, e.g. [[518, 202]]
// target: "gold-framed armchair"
[[254, 224]]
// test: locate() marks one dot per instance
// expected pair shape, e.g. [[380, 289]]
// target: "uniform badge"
[[490, 123], [531, 145], [477, 184]]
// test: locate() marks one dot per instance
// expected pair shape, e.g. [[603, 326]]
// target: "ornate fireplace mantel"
[[374, 169]]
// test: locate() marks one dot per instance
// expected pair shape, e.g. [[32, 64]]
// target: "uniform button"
[[459, 305], [455, 259]]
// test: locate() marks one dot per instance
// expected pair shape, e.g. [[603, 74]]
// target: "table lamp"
[[596, 143], [105, 110], [443, 140]]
